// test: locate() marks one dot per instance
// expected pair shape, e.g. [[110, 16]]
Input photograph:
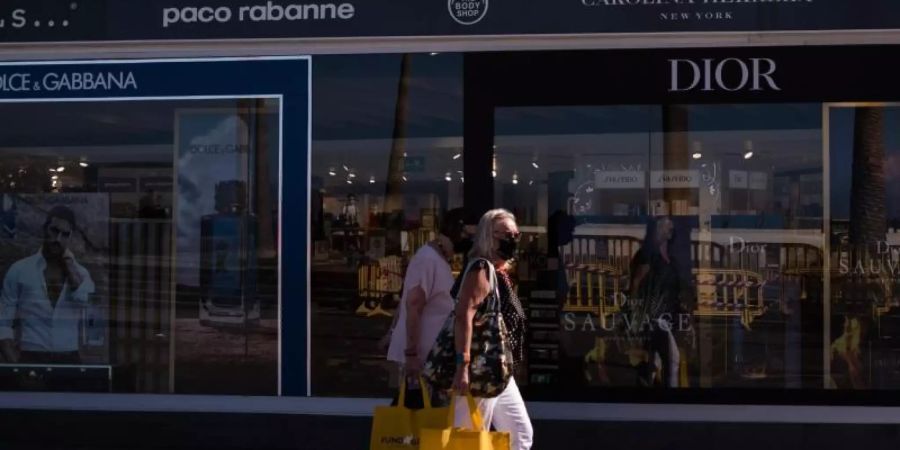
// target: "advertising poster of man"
[[53, 305]]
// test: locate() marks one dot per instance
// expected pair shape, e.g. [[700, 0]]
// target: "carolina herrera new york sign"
[[110, 20]]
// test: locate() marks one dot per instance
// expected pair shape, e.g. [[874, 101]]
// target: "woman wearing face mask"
[[495, 245]]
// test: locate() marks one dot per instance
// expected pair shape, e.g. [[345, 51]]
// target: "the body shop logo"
[[467, 12]]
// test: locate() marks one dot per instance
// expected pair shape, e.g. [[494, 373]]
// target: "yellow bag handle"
[[474, 414], [401, 398], [426, 397]]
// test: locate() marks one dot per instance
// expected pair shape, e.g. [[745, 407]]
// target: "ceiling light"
[[748, 155], [54, 177], [346, 169], [448, 177], [349, 181], [494, 173], [457, 156], [404, 177], [372, 179], [697, 155], [351, 175], [434, 53], [530, 182], [83, 164], [61, 169], [515, 178], [51, 171], [535, 165], [331, 171]]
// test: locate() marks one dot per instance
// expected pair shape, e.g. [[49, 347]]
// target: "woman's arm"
[[474, 289], [637, 277], [414, 306]]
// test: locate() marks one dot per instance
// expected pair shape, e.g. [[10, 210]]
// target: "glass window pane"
[[387, 166], [683, 243], [865, 213], [152, 225]]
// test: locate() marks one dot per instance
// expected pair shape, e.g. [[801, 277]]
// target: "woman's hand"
[[413, 366], [461, 379]]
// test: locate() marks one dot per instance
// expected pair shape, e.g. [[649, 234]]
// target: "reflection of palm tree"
[[394, 196], [868, 226], [867, 197]]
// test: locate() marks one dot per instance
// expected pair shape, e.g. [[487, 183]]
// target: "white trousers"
[[506, 412]]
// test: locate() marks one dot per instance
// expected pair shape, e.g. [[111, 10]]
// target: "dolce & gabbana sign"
[[68, 81], [118, 20]]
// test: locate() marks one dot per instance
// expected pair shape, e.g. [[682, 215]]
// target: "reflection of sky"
[[198, 174], [354, 96], [842, 161]]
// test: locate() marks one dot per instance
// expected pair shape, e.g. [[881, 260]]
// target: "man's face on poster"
[[56, 237]]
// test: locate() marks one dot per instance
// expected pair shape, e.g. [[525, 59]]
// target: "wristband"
[[462, 358]]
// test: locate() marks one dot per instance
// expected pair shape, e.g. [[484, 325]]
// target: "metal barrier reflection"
[[730, 293], [377, 279]]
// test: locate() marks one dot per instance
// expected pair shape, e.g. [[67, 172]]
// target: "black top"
[[660, 289], [510, 309]]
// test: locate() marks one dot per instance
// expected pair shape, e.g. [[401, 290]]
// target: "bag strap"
[[492, 277], [474, 413], [426, 396]]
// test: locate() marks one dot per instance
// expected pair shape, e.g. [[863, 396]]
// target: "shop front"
[[215, 203]]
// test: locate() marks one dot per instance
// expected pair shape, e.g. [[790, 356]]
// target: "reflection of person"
[[495, 244], [426, 301], [46, 292], [350, 212], [845, 356], [7, 216], [655, 296], [150, 206], [595, 363]]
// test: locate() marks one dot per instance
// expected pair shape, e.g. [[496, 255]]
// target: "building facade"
[[236, 189]]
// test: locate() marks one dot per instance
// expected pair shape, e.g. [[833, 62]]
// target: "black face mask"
[[463, 245], [507, 248]]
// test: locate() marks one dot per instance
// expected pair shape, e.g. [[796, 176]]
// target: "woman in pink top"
[[426, 300]]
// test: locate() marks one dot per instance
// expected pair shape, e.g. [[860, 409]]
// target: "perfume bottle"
[[228, 266]]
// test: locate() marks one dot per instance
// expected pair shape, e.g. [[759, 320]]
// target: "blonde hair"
[[483, 245]]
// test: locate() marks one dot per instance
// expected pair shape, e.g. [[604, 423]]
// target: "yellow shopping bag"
[[397, 427], [429, 417], [450, 438]]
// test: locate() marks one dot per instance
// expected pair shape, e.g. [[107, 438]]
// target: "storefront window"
[[863, 352], [672, 246], [705, 248], [386, 165], [139, 246]]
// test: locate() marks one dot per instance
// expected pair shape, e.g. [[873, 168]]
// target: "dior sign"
[[729, 74]]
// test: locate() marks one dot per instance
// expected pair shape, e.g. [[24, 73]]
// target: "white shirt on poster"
[[24, 296], [430, 270]]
